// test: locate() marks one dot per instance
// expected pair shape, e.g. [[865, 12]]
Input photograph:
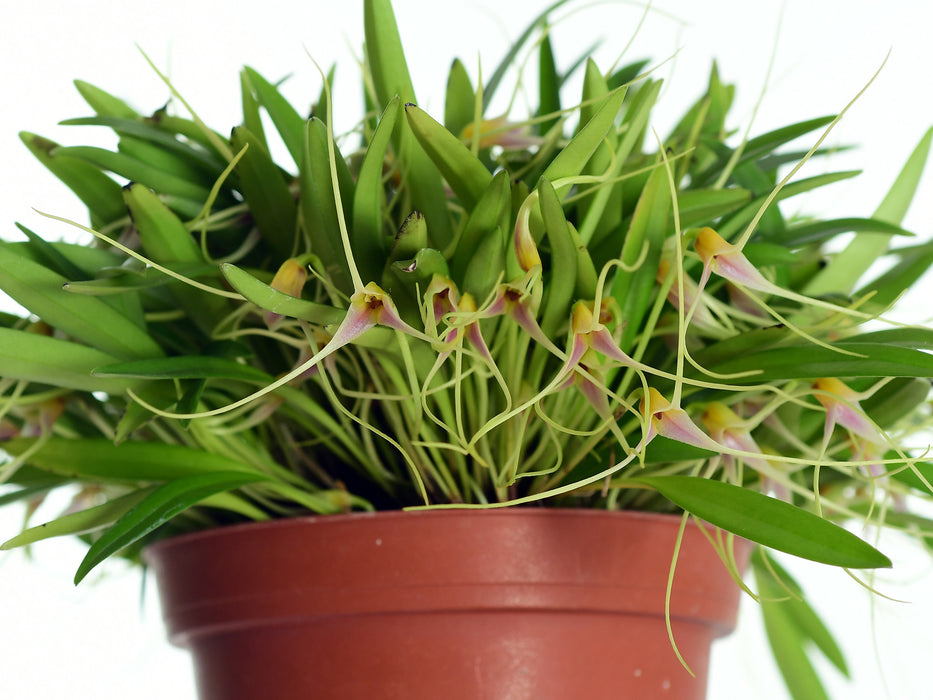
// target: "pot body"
[[500, 604]]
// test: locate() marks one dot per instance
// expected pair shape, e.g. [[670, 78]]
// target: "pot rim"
[[426, 513]]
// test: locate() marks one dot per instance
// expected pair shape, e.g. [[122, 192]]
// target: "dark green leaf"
[[768, 521], [157, 508]]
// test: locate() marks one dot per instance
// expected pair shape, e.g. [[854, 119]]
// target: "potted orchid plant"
[[467, 310]]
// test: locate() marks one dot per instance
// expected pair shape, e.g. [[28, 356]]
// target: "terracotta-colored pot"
[[499, 604]]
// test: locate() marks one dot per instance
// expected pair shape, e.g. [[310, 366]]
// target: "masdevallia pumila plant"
[[466, 309]]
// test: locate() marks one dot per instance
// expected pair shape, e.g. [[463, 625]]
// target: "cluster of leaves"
[[475, 311]]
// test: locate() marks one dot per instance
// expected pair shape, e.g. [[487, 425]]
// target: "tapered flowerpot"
[[498, 604]]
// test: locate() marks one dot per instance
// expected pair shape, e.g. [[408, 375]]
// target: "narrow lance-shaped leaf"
[[464, 172], [508, 60], [103, 103], [99, 192], [575, 155], [632, 287], [85, 318], [137, 170], [319, 205], [132, 462], [266, 191], [167, 240], [845, 269], [812, 362], [368, 241], [548, 85], [799, 612], [157, 508], [561, 282], [635, 121], [269, 299], [460, 100], [768, 521], [45, 360], [787, 644], [83, 521], [184, 367], [285, 117]]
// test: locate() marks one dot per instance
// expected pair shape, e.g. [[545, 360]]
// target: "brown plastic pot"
[[498, 604]]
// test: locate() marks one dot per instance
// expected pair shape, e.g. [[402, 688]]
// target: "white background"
[[96, 641]]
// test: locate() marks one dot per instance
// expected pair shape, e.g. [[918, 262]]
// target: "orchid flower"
[[499, 131], [289, 279], [671, 422], [842, 408], [729, 262], [525, 247]]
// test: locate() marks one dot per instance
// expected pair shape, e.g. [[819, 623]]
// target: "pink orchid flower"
[[842, 408], [672, 422], [499, 131], [728, 261]]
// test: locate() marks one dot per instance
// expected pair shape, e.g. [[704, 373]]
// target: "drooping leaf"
[[81, 522], [157, 508]]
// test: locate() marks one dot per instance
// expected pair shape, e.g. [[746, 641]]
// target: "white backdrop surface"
[[98, 641]]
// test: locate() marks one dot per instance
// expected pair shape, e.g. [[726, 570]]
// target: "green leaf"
[[702, 207], [288, 122], [368, 242], [83, 317], [562, 279], [571, 160], [764, 145], [508, 61], [40, 358], [799, 612], [166, 240], [162, 234], [548, 86], [787, 642], [136, 170], [130, 462], [269, 299], [768, 521], [99, 193], [733, 225], [421, 268], [460, 100], [184, 367], [492, 213], [191, 152], [319, 204], [635, 122], [820, 231], [79, 523], [845, 269], [266, 191], [157, 508], [103, 103], [812, 362], [634, 289], [914, 262], [386, 60], [385, 53], [464, 172]]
